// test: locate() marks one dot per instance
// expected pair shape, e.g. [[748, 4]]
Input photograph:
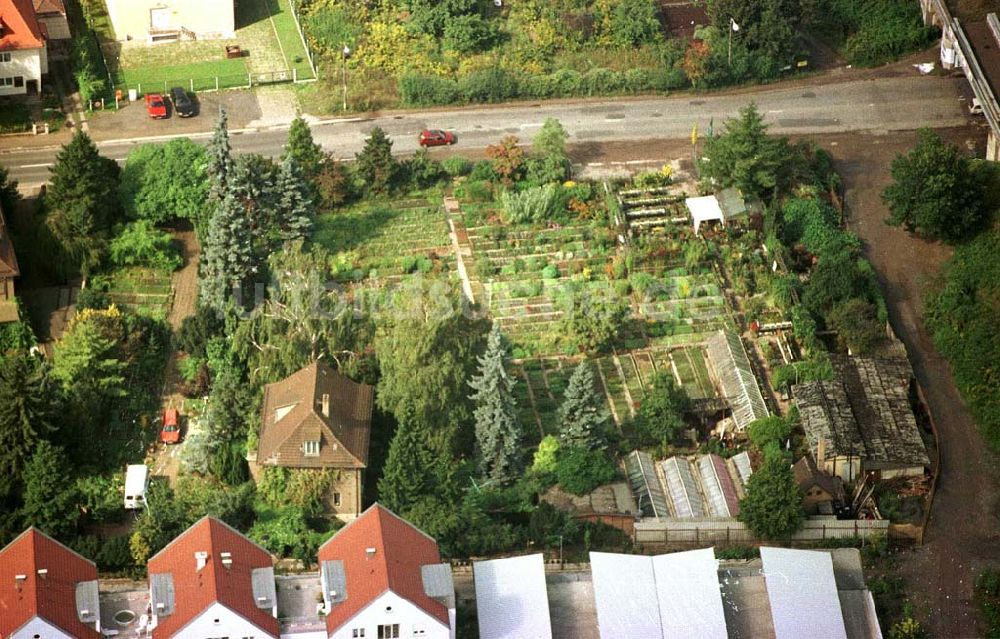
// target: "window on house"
[[5, 56], [358, 632], [419, 631], [336, 499], [6, 82], [18, 81], [388, 631], [310, 448]]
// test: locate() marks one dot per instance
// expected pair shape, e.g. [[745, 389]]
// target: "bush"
[[581, 470], [550, 272], [536, 204], [422, 170], [140, 244], [427, 90], [488, 85], [546, 456], [768, 430], [457, 166]]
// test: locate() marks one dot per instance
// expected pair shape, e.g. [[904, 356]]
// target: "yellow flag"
[[694, 134]]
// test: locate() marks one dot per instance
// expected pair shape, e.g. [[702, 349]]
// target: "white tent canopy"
[[511, 599], [704, 209]]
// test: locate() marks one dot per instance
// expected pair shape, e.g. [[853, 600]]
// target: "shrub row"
[[497, 85]]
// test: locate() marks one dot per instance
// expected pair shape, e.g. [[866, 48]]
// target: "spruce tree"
[[408, 472], [295, 203], [227, 258], [498, 432], [26, 412], [303, 149], [81, 203], [583, 416], [375, 164], [220, 158], [49, 502]]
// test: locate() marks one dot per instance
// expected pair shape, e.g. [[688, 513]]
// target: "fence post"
[[824, 531], [138, 88], [295, 75], [192, 84], [249, 80], [855, 527], [216, 83]]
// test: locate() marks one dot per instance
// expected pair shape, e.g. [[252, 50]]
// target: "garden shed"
[[726, 206], [862, 419], [739, 386]]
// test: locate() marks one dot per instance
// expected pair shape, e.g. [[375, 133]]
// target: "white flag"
[[735, 26]]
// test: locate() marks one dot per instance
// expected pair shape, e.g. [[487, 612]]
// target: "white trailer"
[[136, 483]]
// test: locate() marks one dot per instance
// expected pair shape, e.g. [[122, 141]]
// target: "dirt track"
[[963, 534]]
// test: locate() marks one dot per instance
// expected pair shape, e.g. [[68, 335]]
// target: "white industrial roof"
[[511, 599], [674, 596], [625, 594], [687, 586], [803, 594]]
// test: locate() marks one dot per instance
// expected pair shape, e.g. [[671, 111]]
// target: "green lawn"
[[265, 31]]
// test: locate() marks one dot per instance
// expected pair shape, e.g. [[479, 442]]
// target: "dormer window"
[[310, 448]]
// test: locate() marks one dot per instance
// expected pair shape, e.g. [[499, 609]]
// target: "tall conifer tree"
[[498, 432]]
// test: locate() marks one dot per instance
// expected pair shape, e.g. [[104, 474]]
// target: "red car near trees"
[[435, 137]]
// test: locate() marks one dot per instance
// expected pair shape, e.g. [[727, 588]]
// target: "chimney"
[[370, 552], [18, 580], [201, 558], [326, 404], [821, 452], [43, 572], [227, 559]]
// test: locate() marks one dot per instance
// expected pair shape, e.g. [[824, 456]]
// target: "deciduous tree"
[[937, 191], [498, 430], [161, 182], [661, 414], [772, 508]]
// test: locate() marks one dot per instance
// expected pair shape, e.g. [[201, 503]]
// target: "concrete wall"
[[935, 13], [214, 19], [28, 64]]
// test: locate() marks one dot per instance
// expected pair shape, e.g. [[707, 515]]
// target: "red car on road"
[[156, 106], [435, 137], [170, 432]]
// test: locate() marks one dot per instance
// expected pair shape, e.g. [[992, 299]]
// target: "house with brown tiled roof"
[[382, 577], [8, 271], [317, 418], [51, 16], [47, 590], [820, 490], [212, 581], [23, 56]]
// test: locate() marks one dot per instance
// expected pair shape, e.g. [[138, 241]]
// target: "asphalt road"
[[880, 105]]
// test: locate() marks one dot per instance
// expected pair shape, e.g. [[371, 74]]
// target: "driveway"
[[964, 530]]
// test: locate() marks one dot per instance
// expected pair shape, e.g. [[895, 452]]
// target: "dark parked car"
[[182, 103], [435, 137]]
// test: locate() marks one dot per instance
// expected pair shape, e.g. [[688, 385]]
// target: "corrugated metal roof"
[[161, 592], [803, 594], [720, 493], [625, 594], [438, 583], [690, 599], [511, 599], [682, 488], [645, 485]]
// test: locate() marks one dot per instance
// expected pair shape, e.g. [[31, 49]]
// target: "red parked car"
[[170, 432], [435, 137], [156, 106]]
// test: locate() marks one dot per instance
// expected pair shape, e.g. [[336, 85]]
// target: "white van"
[[136, 483]]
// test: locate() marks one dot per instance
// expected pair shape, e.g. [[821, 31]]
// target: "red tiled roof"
[[400, 550], [343, 434], [52, 597], [20, 26], [195, 590]]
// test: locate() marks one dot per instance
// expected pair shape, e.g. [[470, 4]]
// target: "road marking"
[[34, 166]]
